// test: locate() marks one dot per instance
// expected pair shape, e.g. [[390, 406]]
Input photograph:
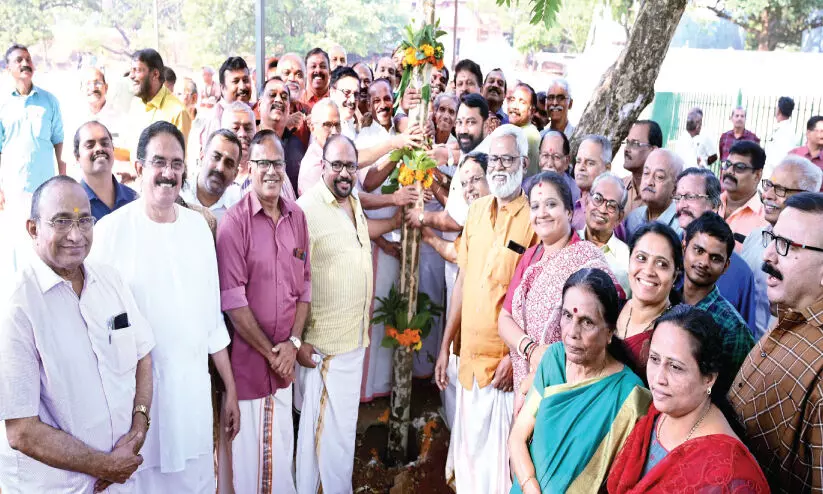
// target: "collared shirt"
[[341, 272], [694, 150], [804, 152], [752, 253], [122, 196], [309, 99], [502, 116], [727, 140], [311, 168], [371, 136], [30, 127], [264, 266], [350, 128], [634, 201], [230, 197], [737, 338], [617, 256], [778, 145], [778, 398], [744, 219], [163, 106], [61, 361], [489, 266], [567, 131], [640, 217]]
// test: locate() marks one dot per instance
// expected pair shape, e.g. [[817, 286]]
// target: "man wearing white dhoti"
[[166, 254], [331, 355]]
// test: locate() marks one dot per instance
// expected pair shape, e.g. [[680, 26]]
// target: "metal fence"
[[670, 111]]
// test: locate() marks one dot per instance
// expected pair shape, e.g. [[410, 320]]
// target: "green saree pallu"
[[579, 428]]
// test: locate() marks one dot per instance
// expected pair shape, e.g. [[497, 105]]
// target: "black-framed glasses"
[[264, 165], [598, 200], [64, 225], [634, 144], [556, 98], [554, 157], [329, 126], [689, 197], [738, 167], [338, 166], [779, 190], [162, 164], [782, 244], [504, 161]]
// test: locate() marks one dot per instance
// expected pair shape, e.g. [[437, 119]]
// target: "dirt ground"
[[430, 446]]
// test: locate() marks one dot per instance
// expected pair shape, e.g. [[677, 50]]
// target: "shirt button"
[[740, 385], [763, 354]]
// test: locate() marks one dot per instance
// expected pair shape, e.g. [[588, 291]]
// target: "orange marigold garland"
[[400, 331]]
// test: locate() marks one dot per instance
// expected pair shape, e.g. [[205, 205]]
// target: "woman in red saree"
[[685, 444]]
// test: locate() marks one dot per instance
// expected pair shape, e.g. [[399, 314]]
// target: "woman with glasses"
[[530, 318], [554, 157]]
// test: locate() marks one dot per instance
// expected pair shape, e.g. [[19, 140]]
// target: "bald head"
[[337, 57], [95, 87], [325, 120], [660, 179]]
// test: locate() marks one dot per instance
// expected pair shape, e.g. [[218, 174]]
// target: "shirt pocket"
[[39, 122], [122, 355], [501, 264]]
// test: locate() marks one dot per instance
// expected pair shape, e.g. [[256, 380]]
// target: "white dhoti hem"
[[479, 449], [433, 284], [449, 395], [328, 423], [196, 478], [261, 459], [377, 366]]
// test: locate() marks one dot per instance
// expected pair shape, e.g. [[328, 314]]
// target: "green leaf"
[[426, 93], [390, 188], [389, 342], [419, 321]]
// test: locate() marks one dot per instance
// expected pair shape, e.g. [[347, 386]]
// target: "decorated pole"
[[422, 53]]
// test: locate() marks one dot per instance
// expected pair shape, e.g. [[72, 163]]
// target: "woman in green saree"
[[583, 401]]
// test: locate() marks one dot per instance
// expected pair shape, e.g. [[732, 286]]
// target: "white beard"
[[507, 189]]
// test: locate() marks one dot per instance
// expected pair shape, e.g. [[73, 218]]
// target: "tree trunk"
[[627, 86], [763, 41]]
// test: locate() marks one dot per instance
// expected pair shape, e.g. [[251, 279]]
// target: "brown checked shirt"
[[778, 398]]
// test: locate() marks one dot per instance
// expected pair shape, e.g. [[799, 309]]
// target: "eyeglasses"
[[329, 126], [64, 225], [598, 200], [162, 164], [264, 165], [473, 181], [634, 144], [553, 157], [555, 98], [504, 161], [779, 190], [689, 197], [348, 93], [738, 167], [782, 244], [338, 166]]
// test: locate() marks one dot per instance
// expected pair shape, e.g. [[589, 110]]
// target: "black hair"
[[227, 135], [230, 65], [809, 202], [364, 64], [336, 137], [317, 51], [382, 80], [275, 78], [497, 69], [786, 106], [707, 336], [12, 48], [77, 135], [445, 72], [713, 225], [558, 182], [38, 192], [810, 125], [674, 243], [262, 135], [567, 148], [709, 179], [531, 90], [155, 129], [272, 63], [341, 73], [751, 150], [474, 100], [480, 158], [655, 134], [169, 75], [470, 66], [152, 59]]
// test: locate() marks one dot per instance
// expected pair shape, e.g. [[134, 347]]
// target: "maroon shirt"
[[727, 140], [264, 266]]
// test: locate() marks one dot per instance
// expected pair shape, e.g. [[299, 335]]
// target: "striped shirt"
[[341, 272], [778, 398]]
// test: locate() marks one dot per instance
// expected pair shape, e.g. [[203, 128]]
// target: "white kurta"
[[172, 270]]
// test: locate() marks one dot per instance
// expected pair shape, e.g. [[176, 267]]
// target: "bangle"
[[523, 484], [520, 342], [529, 354], [527, 349]]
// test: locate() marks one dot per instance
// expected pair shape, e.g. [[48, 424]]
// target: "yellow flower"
[[428, 50], [417, 346], [406, 176], [419, 175], [429, 180]]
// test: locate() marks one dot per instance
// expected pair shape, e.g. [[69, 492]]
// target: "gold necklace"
[[694, 427], [648, 326]]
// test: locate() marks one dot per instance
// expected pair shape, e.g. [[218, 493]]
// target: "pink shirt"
[[263, 266], [745, 219], [311, 168], [61, 361], [804, 152]]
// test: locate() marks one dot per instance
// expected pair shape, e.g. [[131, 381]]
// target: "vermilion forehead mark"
[[575, 310]]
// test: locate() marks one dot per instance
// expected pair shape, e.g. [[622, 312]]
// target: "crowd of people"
[[210, 262]]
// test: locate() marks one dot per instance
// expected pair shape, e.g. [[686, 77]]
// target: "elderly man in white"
[[166, 254], [75, 369]]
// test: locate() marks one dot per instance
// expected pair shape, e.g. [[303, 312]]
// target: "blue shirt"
[[122, 196], [737, 286], [753, 255], [640, 216], [30, 127]]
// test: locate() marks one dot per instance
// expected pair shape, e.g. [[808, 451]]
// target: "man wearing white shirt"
[[345, 90], [783, 138], [166, 255], [694, 147], [75, 369], [214, 186]]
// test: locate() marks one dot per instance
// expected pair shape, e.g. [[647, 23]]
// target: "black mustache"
[[25, 69], [218, 174], [343, 180], [730, 177], [169, 181], [99, 154], [685, 212], [771, 271]]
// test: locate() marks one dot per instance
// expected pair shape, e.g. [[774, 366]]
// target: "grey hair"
[[441, 96], [605, 146], [237, 106], [293, 56], [624, 194], [323, 103], [739, 108], [507, 130], [672, 159], [560, 81], [208, 69], [710, 182], [811, 177]]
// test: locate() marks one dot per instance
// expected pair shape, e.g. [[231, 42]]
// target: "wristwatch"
[[420, 217], [295, 341], [145, 411]]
